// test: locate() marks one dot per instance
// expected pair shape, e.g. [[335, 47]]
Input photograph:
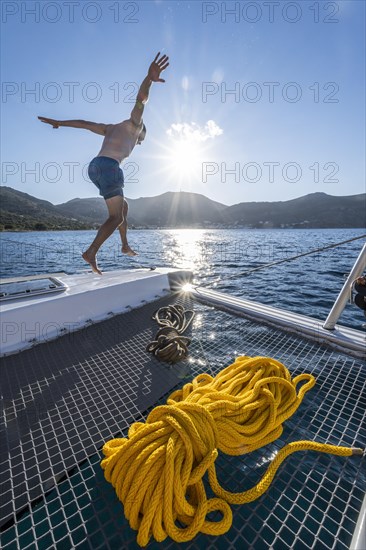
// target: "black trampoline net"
[[62, 400]]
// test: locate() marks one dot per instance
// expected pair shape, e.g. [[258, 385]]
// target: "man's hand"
[[153, 75], [157, 67], [55, 123]]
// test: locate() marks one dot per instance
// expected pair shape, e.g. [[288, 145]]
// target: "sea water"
[[222, 259]]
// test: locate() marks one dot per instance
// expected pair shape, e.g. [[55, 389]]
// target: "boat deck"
[[63, 399]]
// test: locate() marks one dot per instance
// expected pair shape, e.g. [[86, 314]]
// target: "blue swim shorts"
[[106, 174]]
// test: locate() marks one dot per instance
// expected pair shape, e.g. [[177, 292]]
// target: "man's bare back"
[[120, 139]]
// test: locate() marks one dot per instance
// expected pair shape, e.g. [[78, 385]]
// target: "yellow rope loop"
[[157, 470]]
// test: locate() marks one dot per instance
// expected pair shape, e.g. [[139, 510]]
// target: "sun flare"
[[185, 154]]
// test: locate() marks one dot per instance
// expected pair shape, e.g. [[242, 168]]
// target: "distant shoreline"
[[231, 228], [182, 210]]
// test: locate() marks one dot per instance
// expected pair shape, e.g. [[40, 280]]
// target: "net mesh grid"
[[64, 399]]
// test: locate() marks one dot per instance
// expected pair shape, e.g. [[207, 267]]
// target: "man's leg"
[[115, 209], [126, 249]]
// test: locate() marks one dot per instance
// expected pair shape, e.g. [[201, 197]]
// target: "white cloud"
[[194, 132]]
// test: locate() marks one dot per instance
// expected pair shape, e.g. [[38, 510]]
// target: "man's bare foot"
[[92, 260], [128, 250]]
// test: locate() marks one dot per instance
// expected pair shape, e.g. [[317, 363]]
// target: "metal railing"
[[343, 296]]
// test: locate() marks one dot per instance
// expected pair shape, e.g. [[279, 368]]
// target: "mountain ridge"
[[21, 211]]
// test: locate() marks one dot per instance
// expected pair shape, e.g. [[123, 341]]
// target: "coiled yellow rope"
[[157, 470]]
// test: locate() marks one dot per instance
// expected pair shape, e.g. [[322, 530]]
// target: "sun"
[[184, 156]]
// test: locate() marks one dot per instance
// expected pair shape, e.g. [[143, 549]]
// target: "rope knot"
[[169, 344]]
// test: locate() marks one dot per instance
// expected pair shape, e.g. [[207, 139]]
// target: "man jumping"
[[104, 170]]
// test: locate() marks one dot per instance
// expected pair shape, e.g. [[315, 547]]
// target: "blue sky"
[[263, 101]]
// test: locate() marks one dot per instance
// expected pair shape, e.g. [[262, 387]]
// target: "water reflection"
[[187, 249]]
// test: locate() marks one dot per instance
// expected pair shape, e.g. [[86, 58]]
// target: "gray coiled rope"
[[169, 344]]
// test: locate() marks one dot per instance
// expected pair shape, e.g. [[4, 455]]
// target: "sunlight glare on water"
[[188, 249]]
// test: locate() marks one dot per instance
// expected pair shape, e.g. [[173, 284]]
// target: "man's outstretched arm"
[[97, 128], [153, 75]]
